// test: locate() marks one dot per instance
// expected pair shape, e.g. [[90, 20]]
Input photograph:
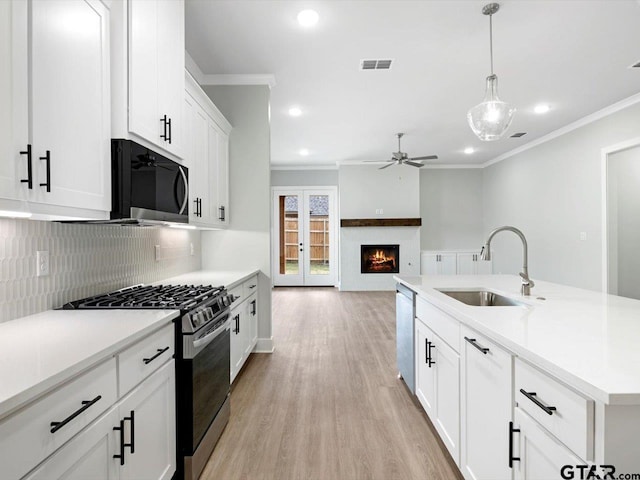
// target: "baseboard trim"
[[264, 345]]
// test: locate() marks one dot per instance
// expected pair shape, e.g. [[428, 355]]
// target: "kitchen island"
[[557, 376]]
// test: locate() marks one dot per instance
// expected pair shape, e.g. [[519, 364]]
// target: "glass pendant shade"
[[490, 119]]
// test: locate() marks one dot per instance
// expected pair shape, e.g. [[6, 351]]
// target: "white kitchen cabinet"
[[486, 405], [207, 153], [58, 108], [151, 408], [155, 72], [89, 455], [437, 385], [244, 324], [470, 263], [537, 455], [438, 263]]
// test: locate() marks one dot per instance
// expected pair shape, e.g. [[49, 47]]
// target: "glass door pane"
[[289, 235], [318, 217]]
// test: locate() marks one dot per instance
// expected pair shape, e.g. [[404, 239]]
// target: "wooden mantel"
[[380, 222]]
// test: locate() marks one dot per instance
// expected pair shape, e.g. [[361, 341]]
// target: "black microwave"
[[147, 187]]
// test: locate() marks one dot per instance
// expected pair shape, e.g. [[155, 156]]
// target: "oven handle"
[[210, 337]]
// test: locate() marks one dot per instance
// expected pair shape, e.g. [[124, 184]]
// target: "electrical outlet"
[[157, 249], [583, 236], [42, 263], [379, 211]]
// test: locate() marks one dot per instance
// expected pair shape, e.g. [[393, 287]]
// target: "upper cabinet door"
[[14, 111], [156, 72], [70, 103]]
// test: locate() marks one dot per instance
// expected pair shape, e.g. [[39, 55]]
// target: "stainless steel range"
[[202, 361]]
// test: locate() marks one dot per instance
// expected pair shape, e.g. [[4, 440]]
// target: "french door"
[[305, 236]]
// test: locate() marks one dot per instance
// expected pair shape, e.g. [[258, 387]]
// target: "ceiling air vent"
[[635, 65], [375, 64], [518, 135]]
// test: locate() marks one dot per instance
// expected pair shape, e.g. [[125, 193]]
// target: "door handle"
[[47, 158], [122, 444], [29, 179], [132, 442], [164, 135], [511, 432]]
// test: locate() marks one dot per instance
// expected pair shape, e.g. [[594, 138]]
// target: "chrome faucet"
[[485, 254]]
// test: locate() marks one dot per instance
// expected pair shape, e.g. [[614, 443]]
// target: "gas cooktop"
[[148, 297]]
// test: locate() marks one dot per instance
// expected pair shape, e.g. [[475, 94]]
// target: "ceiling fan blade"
[[377, 161], [388, 165], [413, 164], [428, 157]]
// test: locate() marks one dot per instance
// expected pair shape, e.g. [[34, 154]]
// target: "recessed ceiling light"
[[295, 112], [308, 18], [469, 150], [542, 108], [304, 152]]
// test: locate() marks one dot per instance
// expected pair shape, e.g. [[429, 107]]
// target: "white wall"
[[365, 188], [304, 178], [247, 242], [451, 208], [552, 192], [624, 217]]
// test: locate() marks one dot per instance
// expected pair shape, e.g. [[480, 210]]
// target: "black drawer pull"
[[164, 135], [55, 426], [253, 308], [47, 158], [169, 132], [532, 396], [160, 351], [29, 179], [222, 214], [472, 341], [132, 443], [511, 432], [431, 360], [252, 286], [122, 444]]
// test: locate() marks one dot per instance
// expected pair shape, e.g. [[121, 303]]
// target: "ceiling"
[[574, 55]]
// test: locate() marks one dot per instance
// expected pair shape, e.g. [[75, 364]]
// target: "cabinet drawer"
[[143, 358], [443, 325], [238, 295], [563, 412], [26, 438], [250, 286]]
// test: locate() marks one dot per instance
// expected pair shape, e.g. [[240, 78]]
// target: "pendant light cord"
[[491, 40]]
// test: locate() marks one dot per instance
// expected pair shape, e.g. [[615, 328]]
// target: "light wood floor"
[[327, 404]]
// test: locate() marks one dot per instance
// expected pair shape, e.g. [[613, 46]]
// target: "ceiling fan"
[[401, 158]]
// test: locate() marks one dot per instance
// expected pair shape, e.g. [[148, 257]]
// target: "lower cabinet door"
[[149, 424], [87, 456], [237, 344], [447, 365], [486, 403], [425, 371], [541, 456]]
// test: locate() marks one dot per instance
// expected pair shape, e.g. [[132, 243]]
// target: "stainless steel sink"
[[481, 298]]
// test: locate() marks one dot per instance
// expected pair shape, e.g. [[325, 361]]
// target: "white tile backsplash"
[[85, 260]]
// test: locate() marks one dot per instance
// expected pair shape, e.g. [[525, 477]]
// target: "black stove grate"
[[148, 297]]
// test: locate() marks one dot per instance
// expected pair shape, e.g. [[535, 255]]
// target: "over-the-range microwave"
[[146, 187]]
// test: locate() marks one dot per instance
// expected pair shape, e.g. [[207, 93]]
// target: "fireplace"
[[379, 258]]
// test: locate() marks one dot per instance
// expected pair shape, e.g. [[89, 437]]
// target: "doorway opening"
[[305, 236]]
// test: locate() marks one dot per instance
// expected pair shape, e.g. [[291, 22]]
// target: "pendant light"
[[490, 119]]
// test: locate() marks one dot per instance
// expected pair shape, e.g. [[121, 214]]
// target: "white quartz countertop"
[[39, 352], [228, 279], [588, 339]]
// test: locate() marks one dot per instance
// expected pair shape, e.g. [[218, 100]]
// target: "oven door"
[[206, 382]]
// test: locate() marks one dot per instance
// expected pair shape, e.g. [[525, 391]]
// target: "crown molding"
[[240, 79], [593, 117], [304, 167], [193, 68]]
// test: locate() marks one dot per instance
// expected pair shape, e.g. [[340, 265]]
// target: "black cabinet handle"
[[222, 215], [164, 135], [237, 320], [169, 131], [431, 360], [47, 158], [199, 207], [160, 351], [511, 432], [132, 441], [426, 351], [122, 444], [532, 396], [253, 307], [252, 286], [29, 179], [55, 426], [473, 342]]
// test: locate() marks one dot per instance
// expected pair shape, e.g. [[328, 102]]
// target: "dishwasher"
[[405, 314]]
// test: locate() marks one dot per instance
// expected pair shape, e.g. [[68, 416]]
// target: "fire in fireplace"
[[379, 258]]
